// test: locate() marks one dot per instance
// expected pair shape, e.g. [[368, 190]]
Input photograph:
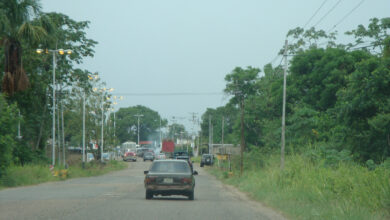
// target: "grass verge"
[[34, 174], [307, 190]]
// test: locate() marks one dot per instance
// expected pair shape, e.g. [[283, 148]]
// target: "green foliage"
[[240, 83], [229, 114], [307, 189], [26, 175], [335, 96], [23, 26], [31, 174], [127, 124], [8, 122]]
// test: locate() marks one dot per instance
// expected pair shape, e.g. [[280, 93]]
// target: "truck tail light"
[[186, 180], [150, 179]]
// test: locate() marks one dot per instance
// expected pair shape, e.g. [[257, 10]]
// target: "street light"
[[54, 52], [138, 116], [115, 103], [90, 77], [102, 91]]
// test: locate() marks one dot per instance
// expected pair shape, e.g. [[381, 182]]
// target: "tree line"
[[338, 97]]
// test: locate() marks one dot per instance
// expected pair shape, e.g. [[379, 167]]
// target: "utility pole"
[[19, 136], [210, 136], [63, 133], [59, 132], [223, 120], [284, 108], [160, 135], [83, 164], [114, 129], [101, 147], [138, 116], [53, 132], [242, 137]]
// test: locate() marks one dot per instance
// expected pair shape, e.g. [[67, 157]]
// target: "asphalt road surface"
[[121, 195]]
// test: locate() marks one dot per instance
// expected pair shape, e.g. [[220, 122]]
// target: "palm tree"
[[17, 27]]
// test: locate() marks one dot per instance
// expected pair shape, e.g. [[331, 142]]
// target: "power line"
[[327, 13], [315, 13], [170, 94], [347, 15]]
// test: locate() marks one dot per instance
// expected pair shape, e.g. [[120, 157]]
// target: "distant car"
[[90, 157], [179, 154], [186, 158], [207, 159], [170, 177], [161, 156], [148, 156], [129, 156], [106, 156]]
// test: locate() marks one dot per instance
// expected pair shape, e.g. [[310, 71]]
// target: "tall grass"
[[311, 190], [33, 174]]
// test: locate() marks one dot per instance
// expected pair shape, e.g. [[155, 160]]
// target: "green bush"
[[26, 175], [31, 174], [7, 133], [307, 190]]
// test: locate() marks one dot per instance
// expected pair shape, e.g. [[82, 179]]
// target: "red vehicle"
[[130, 156], [168, 146]]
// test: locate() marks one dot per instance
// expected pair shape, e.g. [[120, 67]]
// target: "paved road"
[[121, 195]]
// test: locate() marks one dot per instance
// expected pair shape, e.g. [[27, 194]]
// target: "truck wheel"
[[148, 195], [191, 195]]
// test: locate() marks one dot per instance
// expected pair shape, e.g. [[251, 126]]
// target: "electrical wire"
[[347, 15], [170, 94], [315, 13], [327, 13]]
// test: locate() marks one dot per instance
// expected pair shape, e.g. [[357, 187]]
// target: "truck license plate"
[[168, 180]]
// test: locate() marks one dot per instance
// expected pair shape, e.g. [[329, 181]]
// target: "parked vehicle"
[[207, 159], [141, 151], [148, 156], [180, 154], [169, 177], [90, 157], [161, 156], [106, 156], [129, 156]]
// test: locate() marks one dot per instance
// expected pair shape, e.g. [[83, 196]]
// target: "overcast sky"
[[179, 46]]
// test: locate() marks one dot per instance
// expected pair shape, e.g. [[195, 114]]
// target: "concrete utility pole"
[[101, 147], [63, 133], [210, 135], [19, 136], [58, 133], [138, 116], [160, 135], [242, 137], [83, 130], [284, 108], [223, 120], [53, 131]]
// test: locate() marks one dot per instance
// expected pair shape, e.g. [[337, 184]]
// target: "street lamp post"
[[102, 107], [54, 52], [83, 129], [90, 77], [115, 103], [160, 135], [138, 116]]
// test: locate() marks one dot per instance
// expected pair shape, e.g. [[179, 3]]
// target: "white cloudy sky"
[[183, 46]]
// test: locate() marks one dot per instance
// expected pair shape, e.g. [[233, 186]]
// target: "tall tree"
[[126, 124], [16, 26], [240, 84]]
